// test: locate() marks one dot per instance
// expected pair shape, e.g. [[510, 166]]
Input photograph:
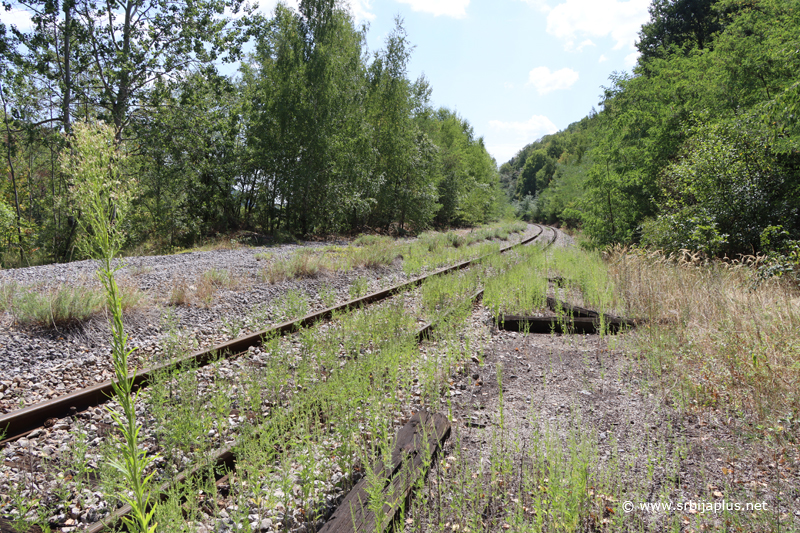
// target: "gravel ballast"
[[37, 364]]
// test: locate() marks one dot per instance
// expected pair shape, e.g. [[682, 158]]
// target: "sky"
[[515, 69]]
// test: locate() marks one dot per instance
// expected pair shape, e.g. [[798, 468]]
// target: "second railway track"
[[21, 422], [225, 456]]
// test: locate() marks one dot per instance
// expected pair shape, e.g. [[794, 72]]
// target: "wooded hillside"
[[696, 148]]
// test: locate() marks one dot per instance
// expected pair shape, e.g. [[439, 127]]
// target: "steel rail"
[[225, 459], [20, 422]]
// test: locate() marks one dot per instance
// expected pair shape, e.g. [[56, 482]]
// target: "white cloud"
[[17, 17], [602, 59], [508, 85], [546, 81], [531, 130], [570, 45], [502, 152], [541, 5], [361, 10], [507, 138], [268, 6], [450, 8], [630, 59], [621, 20]]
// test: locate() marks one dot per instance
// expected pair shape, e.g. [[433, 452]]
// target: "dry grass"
[[723, 340], [203, 290], [179, 293], [302, 264]]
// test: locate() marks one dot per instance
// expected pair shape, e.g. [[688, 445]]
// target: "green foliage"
[[548, 178], [536, 174], [730, 187], [783, 259], [466, 175], [678, 25], [94, 163], [697, 148]]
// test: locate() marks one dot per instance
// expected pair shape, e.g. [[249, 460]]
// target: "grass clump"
[[302, 264], [179, 293], [7, 293], [372, 240], [210, 282], [521, 288], [66, 305]]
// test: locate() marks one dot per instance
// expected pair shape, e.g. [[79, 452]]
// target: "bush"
[[783, 255], [688, 229]]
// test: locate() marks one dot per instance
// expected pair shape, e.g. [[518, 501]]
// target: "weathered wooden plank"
[[533, 324], [414, 448], [558, 306]]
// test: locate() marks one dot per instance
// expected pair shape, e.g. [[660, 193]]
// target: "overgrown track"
[[19, 423], [224, 459]]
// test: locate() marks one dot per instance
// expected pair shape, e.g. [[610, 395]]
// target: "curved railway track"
[[21, 422]]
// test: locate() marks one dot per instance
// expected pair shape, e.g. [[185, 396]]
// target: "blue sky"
[[516, 69]]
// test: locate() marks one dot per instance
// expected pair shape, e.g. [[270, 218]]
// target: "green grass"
[[430, 250], [522, 289], [67, 305]]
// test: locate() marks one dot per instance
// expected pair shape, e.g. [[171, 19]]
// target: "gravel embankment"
[[38, 364]]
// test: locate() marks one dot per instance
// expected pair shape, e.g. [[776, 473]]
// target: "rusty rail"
[[20, 422]]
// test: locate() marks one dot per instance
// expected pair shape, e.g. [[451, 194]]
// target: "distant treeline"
[[314, 135], [698, 148]]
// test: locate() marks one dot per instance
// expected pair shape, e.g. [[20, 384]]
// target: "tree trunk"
[[13, 174], [66, 99]]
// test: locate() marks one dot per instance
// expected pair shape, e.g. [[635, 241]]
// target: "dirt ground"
[[594, 400]]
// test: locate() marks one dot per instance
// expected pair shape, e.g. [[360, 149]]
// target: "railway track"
[[22, 422]]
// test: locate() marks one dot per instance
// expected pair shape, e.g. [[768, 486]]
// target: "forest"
[[696, 148], [312, 135]]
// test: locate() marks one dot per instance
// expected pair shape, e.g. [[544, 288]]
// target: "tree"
[[131, 44], [534, 176], [405, 154], [680, 24], [307, 137], [728, 180]]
